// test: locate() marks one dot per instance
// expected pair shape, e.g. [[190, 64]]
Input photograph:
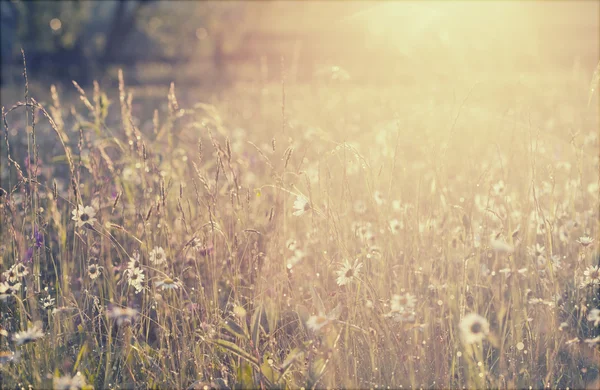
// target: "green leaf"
[[236, 350], [255, 331], [234, 329], [245, 377]]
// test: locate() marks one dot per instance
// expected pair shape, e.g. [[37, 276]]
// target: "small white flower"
[[21, 270], [135, 278], [29, 336], [94, 270], [301, 205], [158, 256], [378, 197], [121, 314], [499, 188], [84, 216], [474, 328], [402, 302], [67, 382], [167, 284], [47, 302], [348, 272], [316, 323], [396, 226], [585, 241], [592, 275]]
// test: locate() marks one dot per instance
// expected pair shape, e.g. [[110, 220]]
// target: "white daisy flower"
[[67, 382], [316, 323], [167, 284], [47, 302], [301, 205], [396, 226], [121, 314], [585, 241], [348, 272], [134, 261], [84, 216], [592, 275], [29, 336], [499, 188], [402, 302], [378, 197], [474, 328], [21, 270], [135, 278], [11, 275], [94, 270], [158, 256]]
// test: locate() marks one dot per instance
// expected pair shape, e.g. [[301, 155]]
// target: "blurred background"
[[217, 43]]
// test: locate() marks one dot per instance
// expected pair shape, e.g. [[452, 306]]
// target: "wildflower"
[[122, 314], [11, 275], [378, 197], [135, 278], [84, 216], [157, 256], [315, 323], [585, 241], [592, 275], [94, 271], [348, 272], [301, 205], [69, 383], [474, 328], [499, 188], [396, 205], [556, 261], [47, 302], [10, 288], [167, 284], [396, 226], [21, 270], [134, 262], [402, 302], [28, 336], [594, 315]]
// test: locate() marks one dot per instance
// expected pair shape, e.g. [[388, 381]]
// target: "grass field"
[[430, 235]]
